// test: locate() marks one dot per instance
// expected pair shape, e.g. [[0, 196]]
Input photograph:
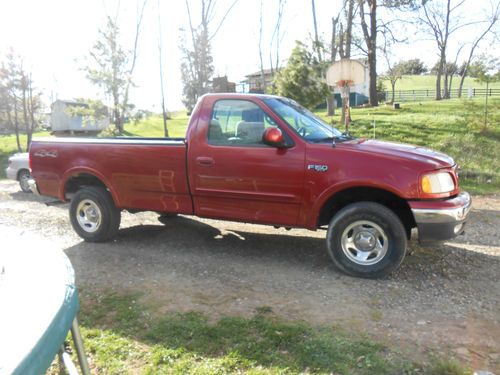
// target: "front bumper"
[[33, 186], [441, 220]]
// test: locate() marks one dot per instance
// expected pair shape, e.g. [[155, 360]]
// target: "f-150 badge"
[[317, 167]]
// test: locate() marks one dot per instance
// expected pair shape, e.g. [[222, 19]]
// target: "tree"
[[478, 67], [111, 67], [317, 43], [299, 80], [370, 36], [441, 20], [20, 104], [488, 72], [393, 74], [197, 61], [371, 26], [276, 38], [490, 22], [412, 67], [164, 111]]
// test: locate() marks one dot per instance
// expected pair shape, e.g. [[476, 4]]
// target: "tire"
[[23, 176], [366, 239], [93, 214]]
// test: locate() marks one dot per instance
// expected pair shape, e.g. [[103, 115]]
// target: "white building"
[[62, 120]]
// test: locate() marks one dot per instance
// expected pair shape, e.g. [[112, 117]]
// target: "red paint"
[[268, 185]]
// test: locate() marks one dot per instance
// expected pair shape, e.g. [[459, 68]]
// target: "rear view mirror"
[[274, 137]]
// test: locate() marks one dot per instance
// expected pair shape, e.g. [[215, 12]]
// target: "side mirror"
[[274, 137]]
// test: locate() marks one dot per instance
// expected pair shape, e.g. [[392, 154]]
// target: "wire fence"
[[421, 95]]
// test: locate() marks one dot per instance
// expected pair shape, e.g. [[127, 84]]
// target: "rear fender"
[[73, 172]]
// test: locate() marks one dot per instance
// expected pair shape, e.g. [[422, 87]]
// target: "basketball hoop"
[[344, 74]]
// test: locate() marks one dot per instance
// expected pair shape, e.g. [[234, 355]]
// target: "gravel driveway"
[[444, 299]]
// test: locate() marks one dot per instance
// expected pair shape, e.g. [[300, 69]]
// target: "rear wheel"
[[23, 178], [93, 214], [366, 239]]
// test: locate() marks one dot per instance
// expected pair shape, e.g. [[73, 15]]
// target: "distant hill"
[[428, 82]]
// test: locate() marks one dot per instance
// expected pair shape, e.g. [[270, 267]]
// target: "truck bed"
[[141, 173]]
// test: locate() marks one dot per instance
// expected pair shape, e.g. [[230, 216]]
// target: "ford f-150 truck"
[[262, 159]]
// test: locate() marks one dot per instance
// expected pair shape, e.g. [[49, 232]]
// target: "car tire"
[[23, 177], [366, 239], [93, 214]]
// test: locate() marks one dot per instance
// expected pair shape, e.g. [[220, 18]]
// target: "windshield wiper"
[[340, 138]]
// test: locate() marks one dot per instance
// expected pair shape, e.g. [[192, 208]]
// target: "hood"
[[435, 160]]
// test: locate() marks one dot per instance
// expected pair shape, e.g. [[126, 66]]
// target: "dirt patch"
[[444, 299]]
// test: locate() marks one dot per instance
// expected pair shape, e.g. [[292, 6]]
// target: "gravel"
[[444, 299]]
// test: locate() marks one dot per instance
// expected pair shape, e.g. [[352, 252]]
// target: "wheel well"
[[19, 173], [365, 194], [75, 182]]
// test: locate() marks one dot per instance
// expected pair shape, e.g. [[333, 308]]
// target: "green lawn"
[[453, 126], [153, 126], [428, 82], [122, 336]]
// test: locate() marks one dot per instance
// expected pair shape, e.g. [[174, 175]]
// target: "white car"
[[19, 170]]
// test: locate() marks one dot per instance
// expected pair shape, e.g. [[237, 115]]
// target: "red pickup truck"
[[262, 159]]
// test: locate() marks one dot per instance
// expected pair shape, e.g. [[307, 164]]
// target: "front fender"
[[327, 194]]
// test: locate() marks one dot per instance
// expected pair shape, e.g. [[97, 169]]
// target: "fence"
[[421, 95]]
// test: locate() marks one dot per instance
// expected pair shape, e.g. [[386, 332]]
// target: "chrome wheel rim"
[[88, 215], [364, 243], [24, 182]]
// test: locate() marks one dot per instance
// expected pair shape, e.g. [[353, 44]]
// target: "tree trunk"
[[461, 84], [31, 109], [316, 38], [330, 104], [446, 95], [393, 87], [372, 67], [16, 126], [449, 86], [438, 77], [25, 112], [333, 46], [348, 30], [371, 45]]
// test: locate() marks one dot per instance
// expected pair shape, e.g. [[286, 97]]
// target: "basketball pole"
[[343, 74], [345, 90]]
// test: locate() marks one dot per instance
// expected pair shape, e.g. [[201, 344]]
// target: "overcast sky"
[[54, 36]]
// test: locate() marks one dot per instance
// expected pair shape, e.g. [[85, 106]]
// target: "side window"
[[238, 123]]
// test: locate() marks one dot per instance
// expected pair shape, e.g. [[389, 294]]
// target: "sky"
[[54, 37]]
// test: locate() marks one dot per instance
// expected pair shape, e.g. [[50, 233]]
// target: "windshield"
[[305, 123]]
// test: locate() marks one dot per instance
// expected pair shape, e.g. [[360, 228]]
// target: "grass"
[[428, 82], [153, 126], [454, 127], [8, 146], [122, 336]]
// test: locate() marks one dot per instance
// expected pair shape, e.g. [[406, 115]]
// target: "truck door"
[[234, 175]]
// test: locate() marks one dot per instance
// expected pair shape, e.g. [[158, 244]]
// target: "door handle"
[[205, 161]]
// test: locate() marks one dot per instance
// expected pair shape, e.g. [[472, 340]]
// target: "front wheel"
[[366, 239], [93, 214]]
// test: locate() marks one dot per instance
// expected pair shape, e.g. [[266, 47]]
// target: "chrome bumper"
[[33, 186], [443, 222]]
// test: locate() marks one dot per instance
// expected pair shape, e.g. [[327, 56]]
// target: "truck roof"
[[232, 95]]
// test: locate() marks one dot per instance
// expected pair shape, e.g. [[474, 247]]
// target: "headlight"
[[437, 183]]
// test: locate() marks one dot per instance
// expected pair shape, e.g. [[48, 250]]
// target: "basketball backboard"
[[345, 72]]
